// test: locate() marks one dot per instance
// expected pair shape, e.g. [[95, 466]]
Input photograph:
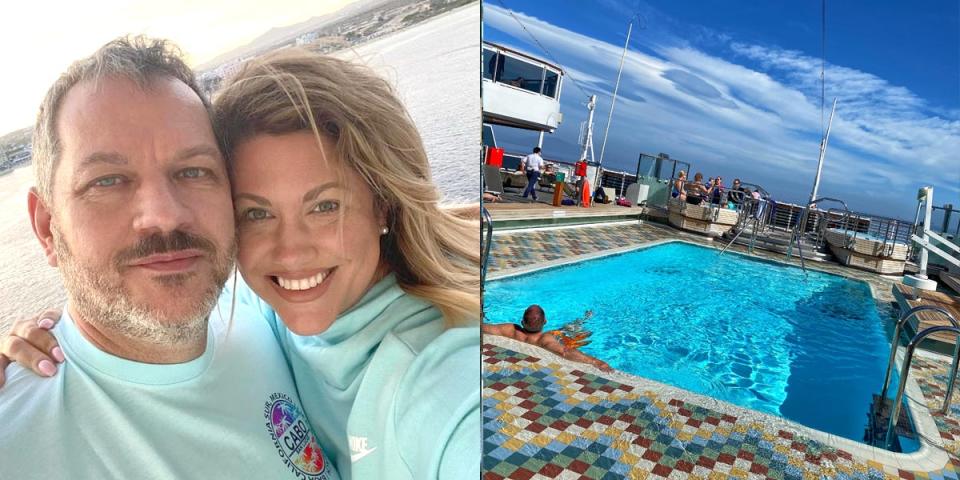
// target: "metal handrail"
[[892, 230], [895, 413], [746, 211], [844, 222], [485, 250], [895, 343], [800, 229]]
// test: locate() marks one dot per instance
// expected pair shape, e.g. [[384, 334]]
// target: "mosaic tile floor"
[[547, 418]]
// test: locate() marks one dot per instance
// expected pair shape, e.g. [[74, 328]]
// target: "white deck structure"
[[519, 90]]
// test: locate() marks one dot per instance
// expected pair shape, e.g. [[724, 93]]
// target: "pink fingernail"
[[57, 354], [45, 323], [47, 368]]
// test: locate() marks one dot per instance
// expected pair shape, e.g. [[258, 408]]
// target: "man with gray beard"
[[164, 378]]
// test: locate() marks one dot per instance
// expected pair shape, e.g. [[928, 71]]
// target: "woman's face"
[[309, 241]]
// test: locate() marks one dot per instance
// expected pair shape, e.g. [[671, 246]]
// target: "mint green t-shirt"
[[389, 391], [231, 413]]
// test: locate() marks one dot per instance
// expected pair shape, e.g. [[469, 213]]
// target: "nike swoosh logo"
[[355, 457]]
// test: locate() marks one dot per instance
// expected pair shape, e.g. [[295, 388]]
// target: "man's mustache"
[[159, 243]]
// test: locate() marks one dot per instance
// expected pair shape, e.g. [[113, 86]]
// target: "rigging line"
[[549, 55], [823, 61]]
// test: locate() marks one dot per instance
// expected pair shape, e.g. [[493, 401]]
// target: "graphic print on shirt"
[[358, 448], [294, 439]]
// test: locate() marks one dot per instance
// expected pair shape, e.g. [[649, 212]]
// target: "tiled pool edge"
[[927, 458], [672, 234], [513, 272]]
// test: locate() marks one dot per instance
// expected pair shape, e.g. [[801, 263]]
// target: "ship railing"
[[948, 224], [657, 172], [889, 232]]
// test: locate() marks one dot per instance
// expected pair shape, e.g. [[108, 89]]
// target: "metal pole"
[[947, 211], [540, 140], [613, 102], [823, 153], [588, 132], [927, 198]]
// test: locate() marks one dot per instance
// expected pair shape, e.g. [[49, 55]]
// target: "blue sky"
[[734, 89]]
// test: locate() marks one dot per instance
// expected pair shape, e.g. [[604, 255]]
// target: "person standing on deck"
[[736, 198], [533, 165]]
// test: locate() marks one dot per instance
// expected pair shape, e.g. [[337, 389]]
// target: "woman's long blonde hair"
[[434, 252]]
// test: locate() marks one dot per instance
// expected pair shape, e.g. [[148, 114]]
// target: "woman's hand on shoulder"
[[31, 344]]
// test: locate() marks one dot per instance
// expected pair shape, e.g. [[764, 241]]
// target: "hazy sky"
[[40, 39], [734, 89]]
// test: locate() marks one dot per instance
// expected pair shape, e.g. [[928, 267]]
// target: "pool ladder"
[[750, 209], [908, 358], [799, 230], [485, 242]]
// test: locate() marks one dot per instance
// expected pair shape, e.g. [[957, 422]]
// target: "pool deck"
[[517, 212], [545, 417], [929, 319]]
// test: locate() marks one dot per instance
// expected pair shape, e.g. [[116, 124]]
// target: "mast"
[[613, 102], [586, 131], [823, 153]]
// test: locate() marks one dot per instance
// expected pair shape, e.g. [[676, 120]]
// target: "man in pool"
[[531, 331], [166, 378]]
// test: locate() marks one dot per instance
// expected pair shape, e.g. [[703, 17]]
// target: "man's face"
[[141, 215], [533, 321]]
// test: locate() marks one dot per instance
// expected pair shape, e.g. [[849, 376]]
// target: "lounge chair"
[[547, 180], [515, 179], [492, 183]]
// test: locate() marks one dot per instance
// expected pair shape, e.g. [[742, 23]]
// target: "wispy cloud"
[[754, 111]]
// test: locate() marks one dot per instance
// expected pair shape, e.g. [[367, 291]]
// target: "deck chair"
[[492, 183], [515, 180], [547, 180], [611, 194]]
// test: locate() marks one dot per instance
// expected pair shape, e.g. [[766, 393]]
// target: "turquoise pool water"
[[757, 334]]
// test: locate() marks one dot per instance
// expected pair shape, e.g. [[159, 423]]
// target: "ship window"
[[489, 63], [488, 139], [520, 74], [550, 84]]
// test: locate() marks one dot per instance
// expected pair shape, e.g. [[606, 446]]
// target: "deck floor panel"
[[929, 319]]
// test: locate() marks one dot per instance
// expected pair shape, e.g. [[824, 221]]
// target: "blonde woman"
[[678, 186], [372, 288]]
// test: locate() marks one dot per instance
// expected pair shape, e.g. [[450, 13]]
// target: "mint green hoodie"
[[389, 392], [231, 413]]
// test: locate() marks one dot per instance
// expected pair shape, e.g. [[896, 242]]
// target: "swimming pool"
[[757, 334]]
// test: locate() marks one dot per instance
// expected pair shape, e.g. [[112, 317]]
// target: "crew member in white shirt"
[[533, 164]]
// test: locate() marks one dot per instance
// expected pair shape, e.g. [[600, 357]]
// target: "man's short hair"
[[136, 58], [534, 311], [536, 149]]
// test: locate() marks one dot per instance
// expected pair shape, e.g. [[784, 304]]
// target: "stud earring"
[[385, 230]]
